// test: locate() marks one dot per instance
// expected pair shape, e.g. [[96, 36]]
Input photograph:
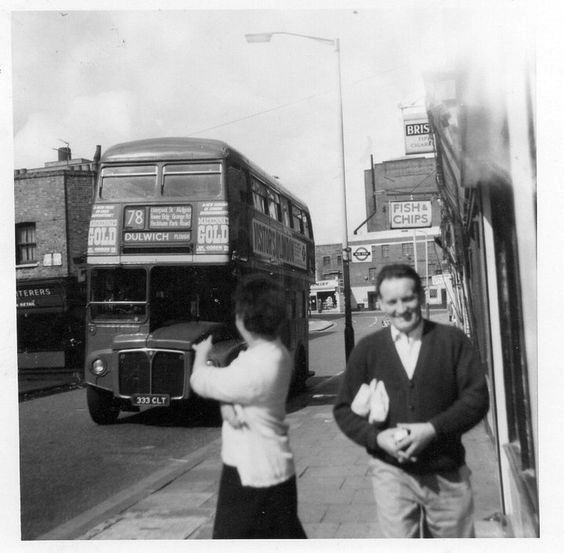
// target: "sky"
[[104, 77], [87, 77]]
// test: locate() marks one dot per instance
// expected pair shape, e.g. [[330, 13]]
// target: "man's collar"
[[414, 334]]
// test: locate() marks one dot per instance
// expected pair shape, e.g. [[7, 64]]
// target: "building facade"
[[388, 185], [405, 179], [368, 255], [52, 209]]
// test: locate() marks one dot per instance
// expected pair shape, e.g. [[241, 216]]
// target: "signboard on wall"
[[414, 214], [417, 135], [362, 254], [40, 296]]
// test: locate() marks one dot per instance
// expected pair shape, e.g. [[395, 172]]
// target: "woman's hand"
[[203, 348], [229, 414], [202, 351]]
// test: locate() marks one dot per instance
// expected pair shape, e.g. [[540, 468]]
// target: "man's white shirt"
[[408, 347]]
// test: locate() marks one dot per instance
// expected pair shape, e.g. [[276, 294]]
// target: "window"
[[25, 243], [197, 180], [326, 260], [372, 272], [407, 250], [385, 250], [133, 182], [339, 260], [285, 211], [274, 209], [118, 293], [259, 196], [297, 221], [307, 225]]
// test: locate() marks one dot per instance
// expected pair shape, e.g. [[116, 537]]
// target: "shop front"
[[49, 324], [324, 296]]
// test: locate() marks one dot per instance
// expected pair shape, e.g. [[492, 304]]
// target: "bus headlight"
[[98, 368]]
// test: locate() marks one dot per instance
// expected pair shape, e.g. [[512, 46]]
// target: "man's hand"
[[419, 436], [388, 442]]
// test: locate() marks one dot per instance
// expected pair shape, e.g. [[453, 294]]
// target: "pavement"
[[334, 491], [32, 383]]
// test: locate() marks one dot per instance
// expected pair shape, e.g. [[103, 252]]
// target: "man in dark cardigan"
[[436, 390]]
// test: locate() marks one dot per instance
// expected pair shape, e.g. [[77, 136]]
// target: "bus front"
[[159, 277]]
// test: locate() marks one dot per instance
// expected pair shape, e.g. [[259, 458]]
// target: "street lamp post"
[[265, 37]]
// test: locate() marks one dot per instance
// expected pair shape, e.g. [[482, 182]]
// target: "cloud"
[[88, 120]]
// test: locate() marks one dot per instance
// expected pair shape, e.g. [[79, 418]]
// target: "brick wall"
[[58, 202], [399, 180], [80, 189]]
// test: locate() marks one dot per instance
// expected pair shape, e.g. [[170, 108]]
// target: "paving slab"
[[334, 490]]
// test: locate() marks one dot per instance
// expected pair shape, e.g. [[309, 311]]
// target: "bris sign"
[[410, 214], [418, 136]]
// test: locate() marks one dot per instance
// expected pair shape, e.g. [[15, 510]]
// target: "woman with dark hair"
[[257, 492]]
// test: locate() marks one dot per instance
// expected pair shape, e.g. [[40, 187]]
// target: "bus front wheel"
[[102, 406]]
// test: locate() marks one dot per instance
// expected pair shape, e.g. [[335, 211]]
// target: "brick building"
[[52, 210], [407, 179]]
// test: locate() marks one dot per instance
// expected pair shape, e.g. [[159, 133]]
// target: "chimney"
[[64, 153]]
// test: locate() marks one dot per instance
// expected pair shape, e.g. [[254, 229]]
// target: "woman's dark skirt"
[[244, 512]]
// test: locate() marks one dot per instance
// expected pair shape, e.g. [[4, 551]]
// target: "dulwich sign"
[[162, 224], [410, 214]]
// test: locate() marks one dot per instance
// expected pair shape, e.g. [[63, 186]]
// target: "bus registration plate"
[[152, 400]]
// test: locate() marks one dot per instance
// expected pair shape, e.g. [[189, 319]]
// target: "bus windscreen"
[[201, 181], [118, 293], [128, 183]]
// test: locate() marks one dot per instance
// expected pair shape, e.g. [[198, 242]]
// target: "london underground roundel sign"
[[362, 254]]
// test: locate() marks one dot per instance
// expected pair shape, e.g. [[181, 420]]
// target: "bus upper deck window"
[[285, 212], [199, 181], [274, 209], [128, 182], [259, 196], [307, 226], [297, 222]]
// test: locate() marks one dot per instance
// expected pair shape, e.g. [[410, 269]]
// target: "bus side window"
[[285, 212], [274, 205], [297, 223], [237, 184], [307, 225], [259, 196]]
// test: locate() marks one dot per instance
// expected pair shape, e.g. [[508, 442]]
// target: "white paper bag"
[[361, 402], [379, 404]]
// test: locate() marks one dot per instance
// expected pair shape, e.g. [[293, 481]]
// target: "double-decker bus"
[[175, 223]]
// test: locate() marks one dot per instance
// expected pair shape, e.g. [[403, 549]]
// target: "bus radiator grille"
[[151, 372]]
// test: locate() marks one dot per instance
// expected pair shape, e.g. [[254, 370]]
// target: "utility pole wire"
[[283, 106]]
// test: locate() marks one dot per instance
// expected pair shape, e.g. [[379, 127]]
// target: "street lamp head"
[[258, 37], [266, 37]]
